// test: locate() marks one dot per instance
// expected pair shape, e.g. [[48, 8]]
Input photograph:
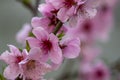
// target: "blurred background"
[[13, 15]]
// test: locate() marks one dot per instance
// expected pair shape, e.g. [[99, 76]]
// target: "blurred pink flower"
[[13, 58], [23, 33], [94, 71], [70, 47], [48, 44], [100, 71]]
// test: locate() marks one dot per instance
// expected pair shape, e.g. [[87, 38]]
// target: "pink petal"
[[33, 42], [37, 72], [40, 22], [7, 57], [23, 33], [12, 71], [62, 14], [71, 51], [35, 53], [40, 33], [14, 50], [46, 9], [72, 48], [24, 53], [56, 55], [53, 38]]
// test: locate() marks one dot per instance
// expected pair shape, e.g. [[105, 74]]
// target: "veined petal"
[[40, 33], [56, 55]]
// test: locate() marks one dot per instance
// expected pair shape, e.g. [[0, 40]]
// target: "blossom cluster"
[[67, 29]]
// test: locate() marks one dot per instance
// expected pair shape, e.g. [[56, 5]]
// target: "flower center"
[[53, 20], [46, 45], [99, 74], [69, 3], [31, 64], [19, 58], [105, 8], [87, 27]]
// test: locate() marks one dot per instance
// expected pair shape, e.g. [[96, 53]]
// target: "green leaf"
[[31, 34], [27, 46], [1, 77], [61, 35]]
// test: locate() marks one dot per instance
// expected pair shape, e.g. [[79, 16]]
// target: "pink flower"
[[23, 33], [84, 30], [32, 67], [47, 23], [105, 14], [96, 71], [70, 47], [66, 8], [85, 10], [48, 44], [13, 59], [47, 9], [100, 72]]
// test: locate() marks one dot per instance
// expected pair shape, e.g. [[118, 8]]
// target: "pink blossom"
[[104, 21], [13, 58], [96, 71], [32, 67], [70, 47], [84, 30], [100, 72], [47, 9], [48, 23], [23, 33], [66, 8], [48, 44]]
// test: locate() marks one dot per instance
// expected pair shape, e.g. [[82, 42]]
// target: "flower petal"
[[7, 57], [40, 33], [12, 71], [56, 55], [14, 50], [33, 42]]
